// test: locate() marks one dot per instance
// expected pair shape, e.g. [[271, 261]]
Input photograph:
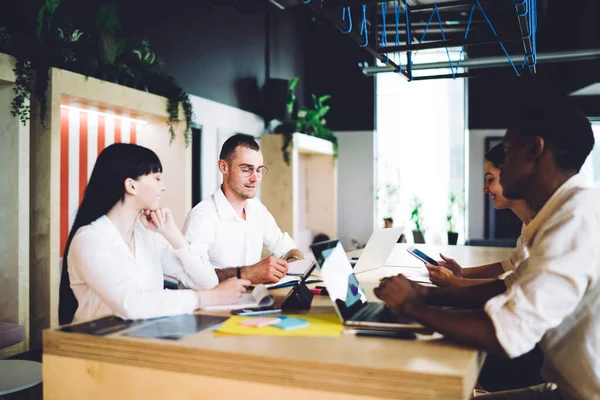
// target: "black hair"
[[388, 219], [496, 155], [564, 129], [235, 141], [106, 188], [320, 237]]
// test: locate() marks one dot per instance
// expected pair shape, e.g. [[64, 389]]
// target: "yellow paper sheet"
[[320, 325]]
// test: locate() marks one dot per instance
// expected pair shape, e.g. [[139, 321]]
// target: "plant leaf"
[[119, 47], [323, 99], [108, 18]]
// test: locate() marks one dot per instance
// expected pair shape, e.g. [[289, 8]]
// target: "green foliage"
[[292, 95], [312, 121], [108, 19], [415, 215], [44, 18], [176, 96], [24, 81], [453, 200], [309, 121], [101, 53]]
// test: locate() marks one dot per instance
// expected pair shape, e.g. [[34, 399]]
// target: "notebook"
[[259, 297]]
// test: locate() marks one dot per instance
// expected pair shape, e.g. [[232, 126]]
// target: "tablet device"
[[100, 327], [421, 256]]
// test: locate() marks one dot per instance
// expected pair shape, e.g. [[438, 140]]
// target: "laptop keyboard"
[[379, 312], [374, 312]]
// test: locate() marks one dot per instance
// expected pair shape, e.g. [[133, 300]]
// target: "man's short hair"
[[388, 219], [564, 129], [235, 141]]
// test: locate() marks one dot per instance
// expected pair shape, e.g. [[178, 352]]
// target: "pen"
[[319, 292]]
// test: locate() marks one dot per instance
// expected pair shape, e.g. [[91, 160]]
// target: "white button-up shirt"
[[555, 296], [107, 278], [223, 239], [516, 257]]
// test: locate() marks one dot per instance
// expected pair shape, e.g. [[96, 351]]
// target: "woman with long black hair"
[[122, 243]]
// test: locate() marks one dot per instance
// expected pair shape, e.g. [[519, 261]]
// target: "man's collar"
[[224, 207], [558, 198]]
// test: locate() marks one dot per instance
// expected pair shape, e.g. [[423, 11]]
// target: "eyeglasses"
[[247, 170]]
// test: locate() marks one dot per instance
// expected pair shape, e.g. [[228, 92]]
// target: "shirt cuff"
[[507, 265], [510, 330], [510, 279]]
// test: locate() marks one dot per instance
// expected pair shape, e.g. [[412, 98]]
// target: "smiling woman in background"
[[122, 243], [450, 273]]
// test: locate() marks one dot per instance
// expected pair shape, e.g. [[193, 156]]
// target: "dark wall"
[[219, 52], [224, 54], [333, 68], [561, 27]]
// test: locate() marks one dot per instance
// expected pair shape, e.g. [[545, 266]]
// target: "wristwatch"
[[238, 272]]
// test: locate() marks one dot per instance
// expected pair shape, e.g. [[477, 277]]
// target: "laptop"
[[378, 249], [349, 298]]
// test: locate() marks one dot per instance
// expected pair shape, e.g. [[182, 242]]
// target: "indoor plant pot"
[[452, 237]]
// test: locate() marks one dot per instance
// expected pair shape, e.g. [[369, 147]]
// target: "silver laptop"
[[378, 249], [349, 298]]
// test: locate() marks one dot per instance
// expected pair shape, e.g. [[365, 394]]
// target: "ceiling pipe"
[[499, 61]]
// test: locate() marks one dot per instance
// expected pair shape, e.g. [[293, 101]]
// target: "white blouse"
[[108, 279]]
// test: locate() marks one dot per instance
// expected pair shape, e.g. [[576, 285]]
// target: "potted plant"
[[454, 204], [417, 219], [310, 121]]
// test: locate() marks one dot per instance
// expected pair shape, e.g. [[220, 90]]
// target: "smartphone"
[[421, 256]]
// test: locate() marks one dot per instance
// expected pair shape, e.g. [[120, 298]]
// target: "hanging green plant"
[[173, 103], [23, 82], [102, 53], [166, 86]]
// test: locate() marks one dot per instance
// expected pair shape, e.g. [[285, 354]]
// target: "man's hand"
[[441, 276], [269, 270], [452, 265], [398, 293]]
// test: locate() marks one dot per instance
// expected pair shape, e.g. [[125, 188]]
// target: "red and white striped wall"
[[85, 132]]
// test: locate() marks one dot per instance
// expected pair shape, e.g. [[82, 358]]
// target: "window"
[[591, 167], [421, 149]]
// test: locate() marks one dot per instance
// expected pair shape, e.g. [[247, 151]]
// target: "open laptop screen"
[[339, 279]]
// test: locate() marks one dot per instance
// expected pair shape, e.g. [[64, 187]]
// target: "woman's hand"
[[452, 265], [441, 276], [157, 220], [161, 221]]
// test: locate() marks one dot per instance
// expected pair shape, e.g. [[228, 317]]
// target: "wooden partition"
[[14, 214], [84, 115], [302, 196]]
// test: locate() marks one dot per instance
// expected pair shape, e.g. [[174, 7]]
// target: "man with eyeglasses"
[[228, 230]]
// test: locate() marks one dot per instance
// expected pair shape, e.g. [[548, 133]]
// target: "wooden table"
[[252, 367]]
